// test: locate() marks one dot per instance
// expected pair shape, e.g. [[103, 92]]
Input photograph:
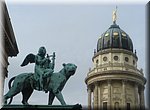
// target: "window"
[[104, 58], [116, 107], [123, 34], [105, 69], [133, 62], [97, 62], [126, 59], [115, 34], [107, 34], [116, 58], [128, 106], [104, 105], [124, 42]]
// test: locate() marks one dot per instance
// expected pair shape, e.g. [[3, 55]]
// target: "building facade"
[[8, 45], [115, 82]]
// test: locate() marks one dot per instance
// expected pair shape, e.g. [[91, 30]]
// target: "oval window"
[[126, 59], [104, 58], [133, 62], [96, 61], [116, 58]]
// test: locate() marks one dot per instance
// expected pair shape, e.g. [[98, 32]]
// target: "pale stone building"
[[8, 45], [115, 82]]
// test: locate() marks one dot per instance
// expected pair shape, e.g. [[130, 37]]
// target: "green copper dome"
[[114, 37]]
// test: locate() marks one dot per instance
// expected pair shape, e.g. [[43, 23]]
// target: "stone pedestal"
[[45, 107]]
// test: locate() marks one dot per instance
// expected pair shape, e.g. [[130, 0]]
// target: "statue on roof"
[[114, 15]]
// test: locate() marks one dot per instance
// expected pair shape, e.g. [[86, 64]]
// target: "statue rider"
[[43, 68]]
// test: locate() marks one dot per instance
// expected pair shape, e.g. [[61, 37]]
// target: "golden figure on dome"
[[114, 15]]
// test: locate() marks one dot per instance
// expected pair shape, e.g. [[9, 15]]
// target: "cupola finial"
[[114, 16]]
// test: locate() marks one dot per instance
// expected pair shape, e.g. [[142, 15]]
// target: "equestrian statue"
[[43, 79]]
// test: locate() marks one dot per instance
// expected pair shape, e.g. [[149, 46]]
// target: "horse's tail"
[[9, 86]]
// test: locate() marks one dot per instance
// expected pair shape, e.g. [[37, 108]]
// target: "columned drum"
[[115, 80]]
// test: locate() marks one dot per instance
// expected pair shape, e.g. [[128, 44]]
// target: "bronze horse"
[[25, 83]]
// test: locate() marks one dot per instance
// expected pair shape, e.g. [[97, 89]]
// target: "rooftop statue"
[[114, 15], [44, 78]]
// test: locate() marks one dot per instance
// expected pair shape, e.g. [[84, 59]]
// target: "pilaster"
[[109, 94], [124, 94], [89, 98], [136, 97], [142, 102], [99, 97], [96, 96]]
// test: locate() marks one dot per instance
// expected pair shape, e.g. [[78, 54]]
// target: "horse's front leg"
[[59, 96], [51, 98], [26, 92]]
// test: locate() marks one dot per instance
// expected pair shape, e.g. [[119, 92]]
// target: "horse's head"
[[69, 68]]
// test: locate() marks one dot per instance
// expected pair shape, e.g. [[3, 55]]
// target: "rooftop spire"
[[114, 16]]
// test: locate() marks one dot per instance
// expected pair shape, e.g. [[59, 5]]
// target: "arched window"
[[128, 106], [115, 40], [97, 62], [104, 105], [116, 107], [133, 62], [126, 59]]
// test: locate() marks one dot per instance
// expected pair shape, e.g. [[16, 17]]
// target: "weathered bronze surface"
[[43, 78]]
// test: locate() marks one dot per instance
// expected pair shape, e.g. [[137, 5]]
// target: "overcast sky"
[[72, 31]]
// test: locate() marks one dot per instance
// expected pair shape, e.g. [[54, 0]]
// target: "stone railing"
[[115, 66]]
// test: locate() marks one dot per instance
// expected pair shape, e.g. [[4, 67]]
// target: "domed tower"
[[115, 82]]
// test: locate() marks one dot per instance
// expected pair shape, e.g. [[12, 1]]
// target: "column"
[[123, 94], [109, 94], [99, 97], [89, 98], [95, 96], [2, 79], [136, 97], [142, 102], [1, 91]]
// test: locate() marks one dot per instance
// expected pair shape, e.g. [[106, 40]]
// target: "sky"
[[71, 30]]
